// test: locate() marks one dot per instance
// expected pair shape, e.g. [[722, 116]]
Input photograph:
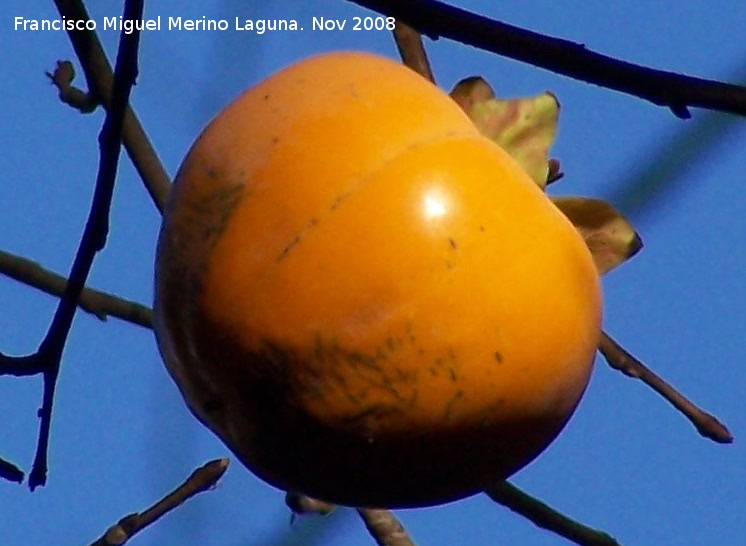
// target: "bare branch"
[[411, 50], [385, 529], [62, 78], [48, 357], [546, 517], [555, 173], [200, 480], [100, 78], [100, 304], [675, 91], [10, 472], [618, 358]]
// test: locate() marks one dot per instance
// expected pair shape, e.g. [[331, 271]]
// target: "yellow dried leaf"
[[524, 127], [609, 236]]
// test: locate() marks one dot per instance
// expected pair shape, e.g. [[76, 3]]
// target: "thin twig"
[[100, 78], [618, 358], [385, 529], [546, 517], [675, 91], [48, 357], [411, 50], [10, 472], [200, 480], [62, 78], [102, 305]]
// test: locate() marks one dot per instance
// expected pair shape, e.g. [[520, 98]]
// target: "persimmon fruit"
[[365, 299]]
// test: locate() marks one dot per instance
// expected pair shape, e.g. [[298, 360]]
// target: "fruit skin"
[[364, 298]]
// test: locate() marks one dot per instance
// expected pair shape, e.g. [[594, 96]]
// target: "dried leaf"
[[609, 236], [555, 172], [524, 127], [471, 90]]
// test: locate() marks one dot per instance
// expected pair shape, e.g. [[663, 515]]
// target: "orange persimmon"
[[364, 298]]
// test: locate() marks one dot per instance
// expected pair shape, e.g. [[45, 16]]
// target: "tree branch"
[[62, 79], [411, 50], [100, 78], [618, 358], [200, 480], [382, 525], [48, 357], [385, 529], [546, 517], [10, 472], [102, 305], [675, 91]]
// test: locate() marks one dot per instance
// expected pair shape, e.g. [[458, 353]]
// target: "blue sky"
[[627, 463]]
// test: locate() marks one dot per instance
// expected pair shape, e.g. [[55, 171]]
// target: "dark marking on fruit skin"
[[190, 232], [328, 356], [367, 367], [435, 368], [359, 359], [481, 228], [278, 359], [305, 230], [449, 407], [410, 334], [195, 230], [338, 201], [210, 214], [376, 411], [454, 244], [439, 366], [286, 250], [325, 377], [498, 357], [312, 223], [393, 343], [378, 380]]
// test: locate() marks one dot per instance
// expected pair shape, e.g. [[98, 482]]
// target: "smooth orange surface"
[[364, 298]]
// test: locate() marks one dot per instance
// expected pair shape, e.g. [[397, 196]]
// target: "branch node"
[[62, 78], [669, 89]]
